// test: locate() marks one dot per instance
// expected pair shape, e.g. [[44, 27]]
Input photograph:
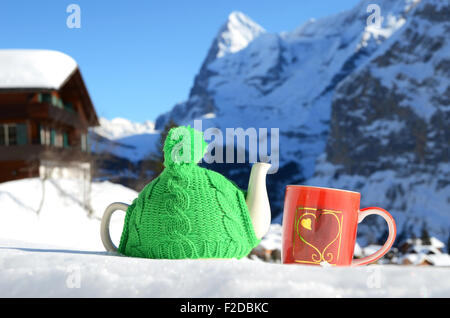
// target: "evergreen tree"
[[448, 243], [425, 236]]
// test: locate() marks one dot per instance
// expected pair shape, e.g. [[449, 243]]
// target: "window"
[[69, 106], [83, 142], [45, 98], [56, 101], [22, 134], [52, 137], [2, 136], [59, 139], [65, 140], [45, 135], [13, 134]]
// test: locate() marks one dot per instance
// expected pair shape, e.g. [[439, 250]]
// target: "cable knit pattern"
[[188, 211]]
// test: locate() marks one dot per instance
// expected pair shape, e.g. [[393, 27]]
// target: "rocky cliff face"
[[390, 119], [357, 106]]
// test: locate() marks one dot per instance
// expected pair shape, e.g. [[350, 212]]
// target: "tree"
[[448, 243], [425, 236]]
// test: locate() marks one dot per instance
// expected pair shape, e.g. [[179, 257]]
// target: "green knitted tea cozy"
[[188, 211]]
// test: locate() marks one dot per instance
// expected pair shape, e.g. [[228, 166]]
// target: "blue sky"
[[138, 58]]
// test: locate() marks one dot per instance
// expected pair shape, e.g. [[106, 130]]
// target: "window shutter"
[[65, 140], [2, 135], [52, 137], [22, 134]]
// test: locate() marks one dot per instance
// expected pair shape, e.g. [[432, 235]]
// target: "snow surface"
[[34, 68], [62, 220], [30, 271], [59, 254]]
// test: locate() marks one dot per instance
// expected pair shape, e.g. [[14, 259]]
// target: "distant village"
[[425, 251]]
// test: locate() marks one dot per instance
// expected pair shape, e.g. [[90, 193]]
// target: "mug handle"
[[104, 226], [390, 240]]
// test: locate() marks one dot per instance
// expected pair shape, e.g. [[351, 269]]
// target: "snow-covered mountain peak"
[[237, 32], [351, 22], [120, 127]]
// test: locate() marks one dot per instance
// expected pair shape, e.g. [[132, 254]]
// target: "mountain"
[[361, 107], [118, 128], [390, 125], [124, 138], [120, 148]]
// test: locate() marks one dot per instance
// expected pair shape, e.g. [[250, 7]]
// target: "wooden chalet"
[[45, 113]]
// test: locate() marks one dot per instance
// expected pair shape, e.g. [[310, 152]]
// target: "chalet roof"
[[434, 259], [27, 69], [24, 70], [433, 242]]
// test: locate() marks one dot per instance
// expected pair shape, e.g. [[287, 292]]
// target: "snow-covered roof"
[[435, 259], [370, 249], [34, 69], [358, 250], [436, 243], [425, 249], [439, 259], [433, 242]]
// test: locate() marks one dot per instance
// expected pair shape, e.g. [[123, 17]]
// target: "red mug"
[[319, 226]]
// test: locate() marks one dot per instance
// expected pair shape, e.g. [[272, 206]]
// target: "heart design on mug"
[[319, 231], [306, 223]]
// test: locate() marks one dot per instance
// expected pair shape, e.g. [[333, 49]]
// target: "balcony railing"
[[42, 152], [43, 111]]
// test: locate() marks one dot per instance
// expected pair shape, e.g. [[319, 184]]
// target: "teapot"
[[191, 212]]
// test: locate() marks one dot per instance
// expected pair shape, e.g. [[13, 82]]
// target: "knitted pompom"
[[184, 145]]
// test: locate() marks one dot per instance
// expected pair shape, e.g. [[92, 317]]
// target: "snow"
[[125, 138], [59, 254], [30, 271], [392, 24], [436, 243], [34, 68], [118, 128], [237, 33], [358, 252], [134, 147], [272, 240], [62, 220], [440, 259]]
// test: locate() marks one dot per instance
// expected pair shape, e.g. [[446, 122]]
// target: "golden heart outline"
[[319, 257]]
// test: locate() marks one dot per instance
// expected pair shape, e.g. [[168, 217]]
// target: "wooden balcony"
[[42, 152], [42, 111]]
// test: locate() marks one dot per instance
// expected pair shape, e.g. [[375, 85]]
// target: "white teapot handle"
[[104, 226]]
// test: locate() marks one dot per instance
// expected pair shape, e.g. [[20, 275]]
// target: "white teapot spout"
[[257, 199]]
